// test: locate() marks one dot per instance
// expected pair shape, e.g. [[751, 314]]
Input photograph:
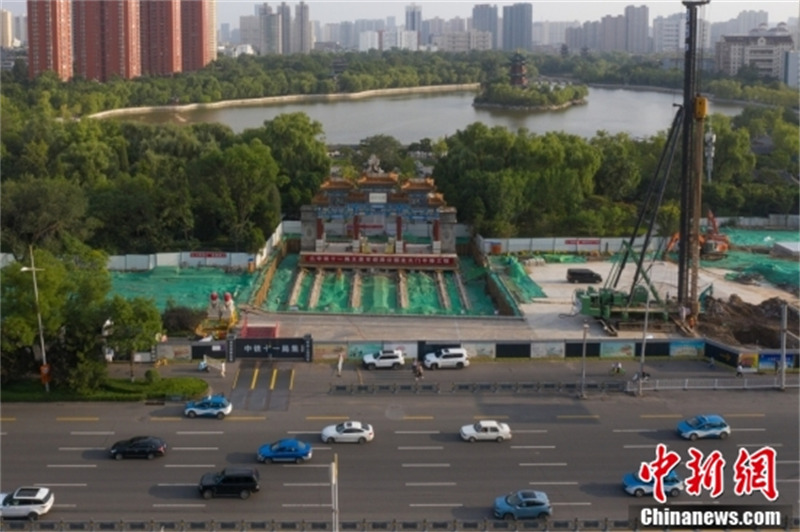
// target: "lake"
[[412, 117]]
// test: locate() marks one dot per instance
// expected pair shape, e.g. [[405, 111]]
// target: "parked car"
[[388, 358], [348, 432], [449, 357], [230, 482], [705, 426], [30, 502], [583, 275], [673, 485], [285, 450], [210, 406], [522, 504], [486, 430], [139, 447]]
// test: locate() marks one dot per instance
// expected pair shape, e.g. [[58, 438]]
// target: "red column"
[[398, 221], [436, 230], [320, 228]]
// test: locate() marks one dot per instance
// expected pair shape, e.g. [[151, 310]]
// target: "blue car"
[[673, 485], [210, 406], [286, 450], [706, 426], [522, 504]]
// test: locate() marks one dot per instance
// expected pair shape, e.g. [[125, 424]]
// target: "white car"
[[486, 430], [449, 357], [348, 432], [31, 502], [388, 358], [210, 406]]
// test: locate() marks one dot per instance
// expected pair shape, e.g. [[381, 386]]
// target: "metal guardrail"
[[478, 387], [744, 383], [483, 525]]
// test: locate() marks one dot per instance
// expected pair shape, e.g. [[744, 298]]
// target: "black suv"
[[230, 482]]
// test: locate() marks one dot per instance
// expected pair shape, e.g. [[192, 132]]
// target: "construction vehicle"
[[713, 244]]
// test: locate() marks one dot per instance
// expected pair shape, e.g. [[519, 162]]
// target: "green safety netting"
[[761, 237], [516, 279], [186, 287]]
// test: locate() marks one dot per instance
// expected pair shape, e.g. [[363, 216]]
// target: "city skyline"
[[333, 11]]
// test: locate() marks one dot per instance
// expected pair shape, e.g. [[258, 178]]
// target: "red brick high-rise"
[[107, 39], [50, 37], [162, 53], [198, 37]]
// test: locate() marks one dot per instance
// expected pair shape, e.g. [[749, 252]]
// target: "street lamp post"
[[640, 378], [33, 269], [583, 360]]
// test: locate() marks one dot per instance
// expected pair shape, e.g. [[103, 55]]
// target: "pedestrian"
[[222, 369], [739, 369], [418, 373], [339, 365]]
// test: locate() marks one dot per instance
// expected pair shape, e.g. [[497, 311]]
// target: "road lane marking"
[[165, 418], [421, 448], [642, 446], [291, 380], [175, 484], [305, 484], [415, 484], [320, 418], [425, 465], [565, 483], [435, 505], [530, 431], [571, 503], [489, 417], [64, 505], [533, 446], [81, 448], [246, 418], [273, 379], [91, 433], [748, 430], [195, 448], [75, 418], [787, 461], [543, 464], [304, 466], [661, 416], [288, 505], [3, 419], [417, 418], [68, 485], [72, 465], [760, 444], [578, 416], [190, 465], [744, 415], [199, 432], [634, 430], [176, 505], [416, 432]]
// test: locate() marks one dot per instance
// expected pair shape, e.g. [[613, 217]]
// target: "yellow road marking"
[[273, 379], [255, 376], [291, 380], [676, 416], [246, 418], [313, 418], [7, 419], [417, 417], [489, 417], [77, 419], [578, 416], [236, 377], [165, 418]]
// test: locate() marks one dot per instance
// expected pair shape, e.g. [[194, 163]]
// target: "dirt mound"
[[736, 322]]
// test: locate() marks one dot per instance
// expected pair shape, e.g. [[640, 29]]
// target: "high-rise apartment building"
[[518, 27], [50, 37], [303, 31], [21, 29], [198, 35], [162, 49], [414, 20], [6, 29], [637, 25], [107, 39], [285, 15], [484, 18]]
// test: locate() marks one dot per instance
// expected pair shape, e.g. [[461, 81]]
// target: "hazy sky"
[[565, 10]]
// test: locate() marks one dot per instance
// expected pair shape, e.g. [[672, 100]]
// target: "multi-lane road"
[[416, 468]]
